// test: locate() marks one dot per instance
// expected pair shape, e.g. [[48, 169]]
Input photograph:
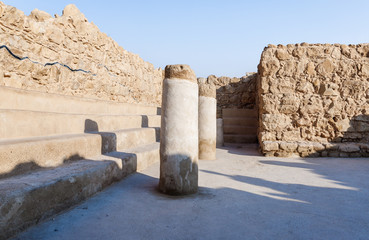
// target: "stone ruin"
[[313, 100], [71, 98], [104, 69]]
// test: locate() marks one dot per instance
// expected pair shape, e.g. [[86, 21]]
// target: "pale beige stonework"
[[234, 92], [179, 145], [313, 100], [114, 73], [207, 121]]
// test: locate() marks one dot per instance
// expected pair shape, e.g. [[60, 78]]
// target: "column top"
[[207, 89], [181, 71]]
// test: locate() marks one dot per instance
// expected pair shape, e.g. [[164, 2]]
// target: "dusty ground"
[[242, 196]]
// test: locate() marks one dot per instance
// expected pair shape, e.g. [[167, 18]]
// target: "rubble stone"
[[320, 105], [110, 72]]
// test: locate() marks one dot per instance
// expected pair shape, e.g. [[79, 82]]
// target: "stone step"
[[234, 112], [27, 199], [239, 130], [24, 124], [13, 98], [127, 138], [233, 138], [248, 121], [18, 156]]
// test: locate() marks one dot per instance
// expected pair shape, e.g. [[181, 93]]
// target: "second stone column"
[[179, 132], [207, 120]]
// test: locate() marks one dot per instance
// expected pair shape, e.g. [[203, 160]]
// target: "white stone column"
[[207, 120], [179, 132]]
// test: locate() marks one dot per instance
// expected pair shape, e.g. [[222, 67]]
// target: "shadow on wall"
[[32, 165], [108, 144], [353, 142], [238, 94], [145, 123], [91, 177], [91, 126]]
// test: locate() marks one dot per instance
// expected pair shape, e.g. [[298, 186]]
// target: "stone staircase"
[[56, 151], [239, 126]]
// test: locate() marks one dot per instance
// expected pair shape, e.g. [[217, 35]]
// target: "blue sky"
[[224, 38]]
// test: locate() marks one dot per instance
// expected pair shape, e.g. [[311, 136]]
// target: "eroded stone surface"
[[313, 93], [113, 73], [207, 90], [234, 92], [179, 135], [180, 71]]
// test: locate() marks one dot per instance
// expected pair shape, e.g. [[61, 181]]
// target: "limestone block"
[[274, 122], [336, 53], [318, 146], [305, 147], [288, 146], [268, 146], [266, 68], [282, 54], [293, 135], [325, 68], [39, 16], [349, 147], [361, 126], [55, 35]]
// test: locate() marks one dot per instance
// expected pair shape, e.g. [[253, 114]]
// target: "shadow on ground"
[[239, 197]]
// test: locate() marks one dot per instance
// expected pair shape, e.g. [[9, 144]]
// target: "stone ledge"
[[62, 187], [314, 149]]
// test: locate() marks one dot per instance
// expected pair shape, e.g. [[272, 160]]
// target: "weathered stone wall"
[[109, 71], [234, 92], [313, 100]]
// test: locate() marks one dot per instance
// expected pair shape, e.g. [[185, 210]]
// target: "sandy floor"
[[242, 196]]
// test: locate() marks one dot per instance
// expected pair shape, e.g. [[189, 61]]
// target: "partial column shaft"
[[179, 132], [207, 120]]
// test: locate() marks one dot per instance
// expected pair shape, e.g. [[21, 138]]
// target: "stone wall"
[[234, 92], [313, 100], [69, 55]]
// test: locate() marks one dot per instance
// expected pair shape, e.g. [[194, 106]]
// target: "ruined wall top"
[[74, 43]]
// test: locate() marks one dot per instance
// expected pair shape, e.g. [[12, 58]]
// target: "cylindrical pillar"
[[179, 132], [207, 120]]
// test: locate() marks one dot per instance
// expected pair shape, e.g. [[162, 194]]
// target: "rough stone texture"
[[234, 92], [311, 95], [113, 73], [179, 135], [60, 188], [206, 89], [180, 71]]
